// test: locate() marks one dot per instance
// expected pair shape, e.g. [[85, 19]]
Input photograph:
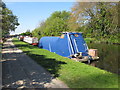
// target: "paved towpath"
[[20, 71]]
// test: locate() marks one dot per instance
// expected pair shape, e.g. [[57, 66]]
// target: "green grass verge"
[[88, 40], [103, 40], [74, 74]]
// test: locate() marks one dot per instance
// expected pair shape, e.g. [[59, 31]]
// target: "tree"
[[9, 22], [105, 21], [100, 19], [54, 25], [27, 33], [79, 15], [39, 31]]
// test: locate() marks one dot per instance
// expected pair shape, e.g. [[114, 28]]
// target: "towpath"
[[20, 71]]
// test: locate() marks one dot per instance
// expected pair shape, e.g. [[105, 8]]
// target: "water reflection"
[[108, 54]]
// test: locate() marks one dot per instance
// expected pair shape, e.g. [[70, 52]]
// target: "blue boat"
[[69, 44]]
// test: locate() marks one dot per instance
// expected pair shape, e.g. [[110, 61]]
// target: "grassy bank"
[[74, 74], [108, 40]]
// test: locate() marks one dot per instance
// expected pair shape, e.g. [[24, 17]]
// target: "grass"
[[74, 74], [89, 40], [103, 40]]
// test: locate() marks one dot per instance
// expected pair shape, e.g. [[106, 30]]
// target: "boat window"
[[62, 36], [76, 35]]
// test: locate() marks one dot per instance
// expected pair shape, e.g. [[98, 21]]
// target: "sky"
[[30, 14]]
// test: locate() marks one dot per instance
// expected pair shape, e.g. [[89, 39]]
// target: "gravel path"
[[20, 71]]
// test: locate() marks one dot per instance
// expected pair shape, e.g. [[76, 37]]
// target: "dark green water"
[[109, 55]]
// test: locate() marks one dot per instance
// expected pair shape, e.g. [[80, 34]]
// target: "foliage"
[[96, 19], [54, 25], [38, 32], [9, 21], [27, 33], [74, 74]]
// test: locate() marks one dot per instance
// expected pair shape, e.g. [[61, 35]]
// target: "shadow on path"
[[20, 71]]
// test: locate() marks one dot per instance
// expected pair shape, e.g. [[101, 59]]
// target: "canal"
[[109, 56]]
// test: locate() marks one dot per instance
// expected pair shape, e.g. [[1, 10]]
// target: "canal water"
[[109, 56]]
